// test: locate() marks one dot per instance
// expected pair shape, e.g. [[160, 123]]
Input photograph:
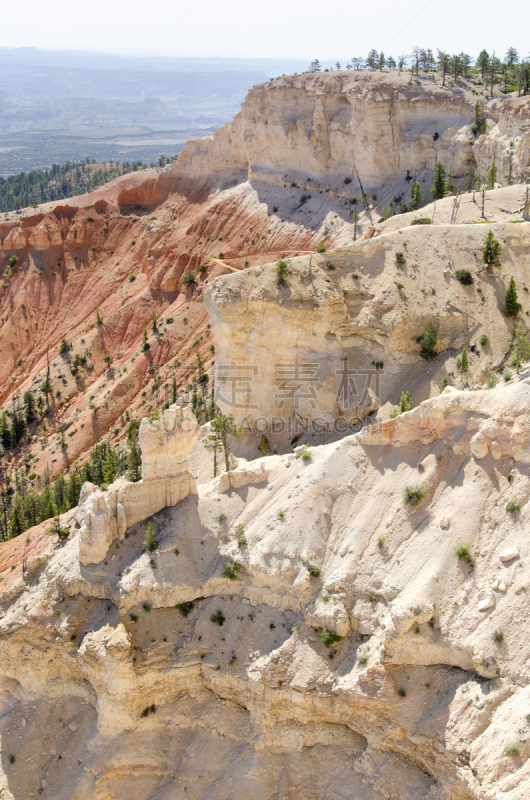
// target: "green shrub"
[[429, 340], [188, 278], [306, 454], [492, 381], [132, 278], [242, 540], [498, 637], [412, 495], [218, 618], [514, 749], [484, 339], [147, 607], [512, 306], [149, 710], [13, 261], [491, 253], [184, 608], [329, 637], [321, 248], [400, 286], [402, 693], [149, 542], [230, 570], [281, 513], [372, 598], [513, 504], [507, 375], [400, 259], [463, 552], [330, 265], [313, 571], [347, 180], [465, 277], [421, 221], [202, 267], [381, 542], [282, 271]]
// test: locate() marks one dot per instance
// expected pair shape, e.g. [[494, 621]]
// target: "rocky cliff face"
[[339, 337], [339, 646], [318, 129], [345, 619]]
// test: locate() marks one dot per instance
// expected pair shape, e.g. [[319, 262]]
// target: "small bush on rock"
[[329, 637], [282, 271], [465, 277], [463, 552], [218, 618], [513, 504], [230, 570], [412, 495]]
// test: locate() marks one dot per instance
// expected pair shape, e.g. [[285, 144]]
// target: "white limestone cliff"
[[165, 443]]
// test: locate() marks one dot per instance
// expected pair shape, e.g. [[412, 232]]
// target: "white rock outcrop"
[[166, 481]]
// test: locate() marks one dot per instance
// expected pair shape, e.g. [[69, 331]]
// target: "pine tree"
[[483, 62], [47, 507], [149, 542], [491, 178], [512, 306], [110, 468], [16, 522], [5, 431], [86, 473], [479, 125], [491, 254], [174, 390], [429, 340], [264, 445], [223, 426], [439, 182], [520, 348], [416, 197], [29, 405], [73, 488], [154, 323], [372, 59], [59, 492], [134, 461], [464, 363], [145, 342], [404, 403]]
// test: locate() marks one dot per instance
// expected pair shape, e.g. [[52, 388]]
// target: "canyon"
[[340, 614]]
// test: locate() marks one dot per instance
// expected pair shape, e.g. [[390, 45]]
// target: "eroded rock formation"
[[417, 699], [166, 481]]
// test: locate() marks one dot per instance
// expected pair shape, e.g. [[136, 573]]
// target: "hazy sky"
[[324, 29]]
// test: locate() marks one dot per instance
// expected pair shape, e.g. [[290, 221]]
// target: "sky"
[[323, 29]]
